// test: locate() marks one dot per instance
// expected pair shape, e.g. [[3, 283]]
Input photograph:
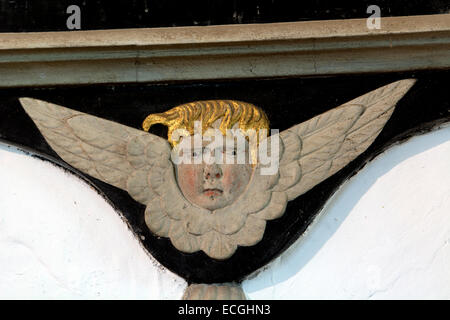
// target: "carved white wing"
[[316, 149], [114, 153], [310, 152], [130, 159]]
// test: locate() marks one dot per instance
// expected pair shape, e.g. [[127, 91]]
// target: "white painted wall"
[[59, 239], [384, 234]]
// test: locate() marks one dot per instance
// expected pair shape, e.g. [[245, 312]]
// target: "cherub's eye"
[[232, 152]]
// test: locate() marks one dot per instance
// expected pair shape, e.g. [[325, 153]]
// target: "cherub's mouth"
[[212, 192]]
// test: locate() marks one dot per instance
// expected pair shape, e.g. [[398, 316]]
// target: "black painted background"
[[50, 15], [286, 101]]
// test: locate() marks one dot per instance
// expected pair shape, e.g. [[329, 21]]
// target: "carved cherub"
[[214, 207]]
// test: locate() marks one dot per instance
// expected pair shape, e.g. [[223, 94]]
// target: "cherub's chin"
[[213, 202]]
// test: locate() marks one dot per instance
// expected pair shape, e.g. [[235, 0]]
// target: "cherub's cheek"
[[189, 178], [230, 180]]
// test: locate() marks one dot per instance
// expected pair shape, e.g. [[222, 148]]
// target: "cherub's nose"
[[212, 172]]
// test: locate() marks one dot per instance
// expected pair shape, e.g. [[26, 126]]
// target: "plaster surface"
[[59, 239], [383, 235]]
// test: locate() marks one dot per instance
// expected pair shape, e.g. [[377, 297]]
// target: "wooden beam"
[[224, 52]]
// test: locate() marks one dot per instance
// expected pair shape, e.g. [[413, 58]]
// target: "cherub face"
[[217, 179]]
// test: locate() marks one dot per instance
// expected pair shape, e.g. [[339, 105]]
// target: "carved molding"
[[226, 291], [140, 163], [224, 52]]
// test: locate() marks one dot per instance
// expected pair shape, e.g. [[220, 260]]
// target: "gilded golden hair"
[[248, 116]]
